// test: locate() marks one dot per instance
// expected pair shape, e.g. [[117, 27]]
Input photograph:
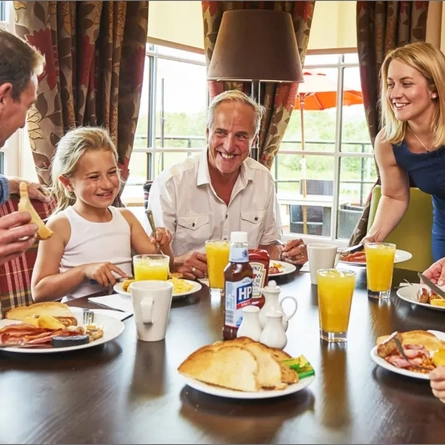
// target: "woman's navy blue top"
[[427, 170]]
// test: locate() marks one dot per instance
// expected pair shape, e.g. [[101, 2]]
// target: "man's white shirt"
[[183, 200]]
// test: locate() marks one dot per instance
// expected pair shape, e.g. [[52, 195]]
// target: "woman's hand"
[[103, 273]]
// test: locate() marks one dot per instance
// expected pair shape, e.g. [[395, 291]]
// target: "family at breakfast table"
[[222, 190]]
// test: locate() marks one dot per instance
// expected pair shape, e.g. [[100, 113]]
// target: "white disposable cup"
[[321, 256], [151, 305]]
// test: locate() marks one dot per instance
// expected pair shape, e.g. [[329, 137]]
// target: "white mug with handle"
[[151, 301]]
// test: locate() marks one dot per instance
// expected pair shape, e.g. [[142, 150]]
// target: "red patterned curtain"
[[381, 27], [95, 54], [278, 99]]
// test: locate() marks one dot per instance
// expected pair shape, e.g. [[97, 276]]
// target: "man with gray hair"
[[222, 190], [20, 64]]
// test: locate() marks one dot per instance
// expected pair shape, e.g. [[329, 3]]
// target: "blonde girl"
[[93, 241]]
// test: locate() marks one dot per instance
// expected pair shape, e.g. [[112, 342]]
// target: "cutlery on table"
[[431, 285], [402, 353], [151, 220]]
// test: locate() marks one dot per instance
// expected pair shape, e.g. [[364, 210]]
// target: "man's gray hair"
[[239, 97]]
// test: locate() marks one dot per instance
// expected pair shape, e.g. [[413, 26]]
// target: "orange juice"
[[151, 267], [335, 290], [379, 266], [217, 252]]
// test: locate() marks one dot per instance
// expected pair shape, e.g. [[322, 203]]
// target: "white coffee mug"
[[151, 305], [321, 256]]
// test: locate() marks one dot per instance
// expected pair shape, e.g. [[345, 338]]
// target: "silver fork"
[[88, 316]]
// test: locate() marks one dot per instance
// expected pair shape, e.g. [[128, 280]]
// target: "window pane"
[[320, 59], [181, 102], [166, 160], [351, 58], [357, 176], [133, 192], [180, 54], [319, 192], [318, 121], [354, 126], [141, 138], [2, 11]]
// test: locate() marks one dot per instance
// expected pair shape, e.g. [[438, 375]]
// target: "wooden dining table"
[[129, 391]]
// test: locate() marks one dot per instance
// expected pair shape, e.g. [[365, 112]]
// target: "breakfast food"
[[275, 268], [46, 325], [241, 364], [427, 296], [418, 347], [60, 311], [126, 285], [180, 286], [25, 205], [356, 257]]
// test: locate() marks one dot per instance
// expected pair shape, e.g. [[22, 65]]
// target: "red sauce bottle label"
[[260, 261]]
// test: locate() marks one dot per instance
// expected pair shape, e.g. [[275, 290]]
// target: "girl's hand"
[[163, 237], [103, 273]]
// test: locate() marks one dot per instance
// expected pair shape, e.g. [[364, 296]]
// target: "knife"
[[432, 286], [352, 249]]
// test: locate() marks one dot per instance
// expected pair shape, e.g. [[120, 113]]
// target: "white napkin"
[[114, 301], [119, 315]]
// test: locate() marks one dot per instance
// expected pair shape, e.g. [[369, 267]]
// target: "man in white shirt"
[[222, 190]]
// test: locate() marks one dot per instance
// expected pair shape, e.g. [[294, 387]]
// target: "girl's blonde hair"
[[430, 62], [69, 150]]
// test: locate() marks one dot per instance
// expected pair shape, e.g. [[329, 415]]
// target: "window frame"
[[153, 149]]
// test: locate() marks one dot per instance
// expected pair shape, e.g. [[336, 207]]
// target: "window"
[[171, 124], [335, 170], [323, 185]]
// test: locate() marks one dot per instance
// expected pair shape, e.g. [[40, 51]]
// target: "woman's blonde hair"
[[69, 150], [430, 62]]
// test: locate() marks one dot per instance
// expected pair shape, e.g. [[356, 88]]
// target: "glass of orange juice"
[[151, 267], [217, 252], [335, 290], [379, 268]]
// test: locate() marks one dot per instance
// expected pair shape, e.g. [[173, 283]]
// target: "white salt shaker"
[[250, 325], [274, 334]]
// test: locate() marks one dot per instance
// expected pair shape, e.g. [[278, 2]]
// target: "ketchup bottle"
[[238, 276], [259, 259]]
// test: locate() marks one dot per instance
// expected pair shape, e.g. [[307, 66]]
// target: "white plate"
[[286, 268], [408, 293], [384, 364], [196, 287], [400, 257], [263, 394], [111, 326]]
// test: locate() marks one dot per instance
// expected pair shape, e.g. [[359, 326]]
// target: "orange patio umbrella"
[[318, 92]]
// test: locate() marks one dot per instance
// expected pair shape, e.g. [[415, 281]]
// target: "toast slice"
[[231, 366], [25, 205], [269, 370], [55, 309], [288, 375]]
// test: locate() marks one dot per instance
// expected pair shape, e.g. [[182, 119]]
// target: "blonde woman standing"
[[92, 240], [412, 140]]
